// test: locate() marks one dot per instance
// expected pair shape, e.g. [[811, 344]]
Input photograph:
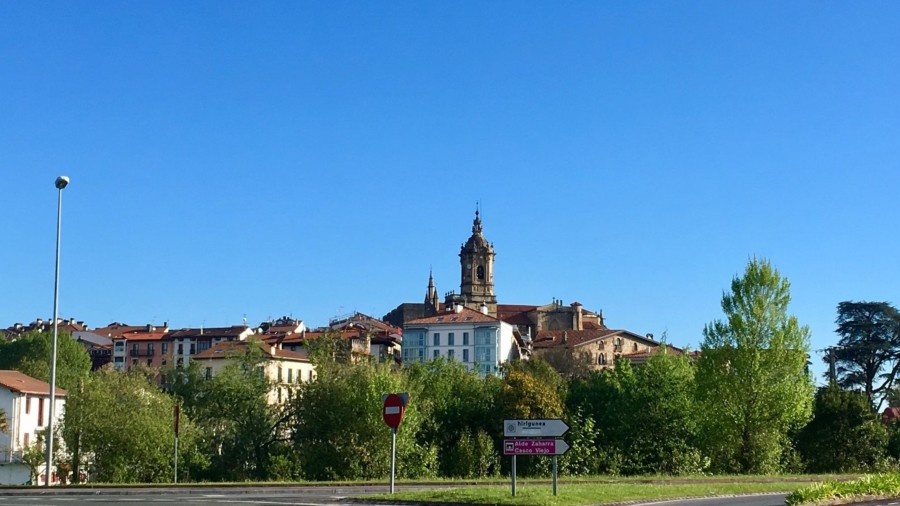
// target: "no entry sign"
[[392, 411]]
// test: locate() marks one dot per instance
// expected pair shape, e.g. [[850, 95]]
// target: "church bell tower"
[[476, 259]]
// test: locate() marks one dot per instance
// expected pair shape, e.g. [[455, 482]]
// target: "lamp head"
[[62, 182]]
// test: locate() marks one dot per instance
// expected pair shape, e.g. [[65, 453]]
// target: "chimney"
[[457, 308], [484, 308]]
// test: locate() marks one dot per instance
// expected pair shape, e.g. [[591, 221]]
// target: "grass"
[[596, 492], [834, 492]]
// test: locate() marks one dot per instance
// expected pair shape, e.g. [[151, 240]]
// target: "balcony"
[[141, 353]]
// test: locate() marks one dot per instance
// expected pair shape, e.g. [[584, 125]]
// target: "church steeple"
[[431, 296], [476, 258]]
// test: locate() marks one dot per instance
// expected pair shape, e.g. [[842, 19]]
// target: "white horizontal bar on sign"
[[392, 410]]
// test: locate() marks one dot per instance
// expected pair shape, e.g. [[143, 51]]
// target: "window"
[[164, 348], [602, 359], [150, 349], [180, 349], [635, 346], [465, 338], [437, 353], [602, 345], [135, 349], [208, 372], [203, 345], [193, 349], [40, 411], [450, 354], [450, 339], [480, 272], [279, 374], [310, 375], [149, 362], [290, 375], [465, 355], [134, 362], [437, 339]]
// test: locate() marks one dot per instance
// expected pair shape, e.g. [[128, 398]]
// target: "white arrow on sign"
[[548, 427]]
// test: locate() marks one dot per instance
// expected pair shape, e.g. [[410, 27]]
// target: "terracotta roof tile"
[[229, 349], [554, 338], [452, 318], [18, 382]]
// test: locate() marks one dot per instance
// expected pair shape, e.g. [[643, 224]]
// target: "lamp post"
[[61, 182]]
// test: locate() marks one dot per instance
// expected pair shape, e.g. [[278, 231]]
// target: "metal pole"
[[393, 456], [513, 475], [554, 475], [49, 470]]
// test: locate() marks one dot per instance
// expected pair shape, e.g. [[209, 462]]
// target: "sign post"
[[177, 423], [392, 412], [542, 434]]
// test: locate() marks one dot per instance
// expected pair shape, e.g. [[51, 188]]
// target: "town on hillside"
[[470, 327]]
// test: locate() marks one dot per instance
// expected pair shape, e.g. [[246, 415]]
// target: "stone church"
[[554, 329]]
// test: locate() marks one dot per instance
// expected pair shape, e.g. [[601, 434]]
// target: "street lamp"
[[61, 182]]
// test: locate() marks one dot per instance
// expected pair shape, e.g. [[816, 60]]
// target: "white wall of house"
[[26, 415]]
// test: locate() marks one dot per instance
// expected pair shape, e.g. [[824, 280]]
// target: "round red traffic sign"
[[393, 410]]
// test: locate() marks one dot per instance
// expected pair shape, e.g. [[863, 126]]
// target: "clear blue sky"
[[316, 158]]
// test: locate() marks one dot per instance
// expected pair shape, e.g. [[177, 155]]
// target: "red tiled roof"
[[553, 338], [233, 331], [18, 382], [143, 336], [115, 329], [229, 349], [451, 318]]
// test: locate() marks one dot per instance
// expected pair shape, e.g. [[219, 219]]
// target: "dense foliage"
[[845, 417], [753, 386], [30, 354]]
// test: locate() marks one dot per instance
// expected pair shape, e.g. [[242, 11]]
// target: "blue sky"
[[317, 158]]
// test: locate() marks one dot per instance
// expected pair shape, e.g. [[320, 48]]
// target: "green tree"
[[124, 425], [657, 416], [867, 355], [30, 354], [339, 433], [752, 384], [457, 405], [844, 434], [34, 456], [236, 419]]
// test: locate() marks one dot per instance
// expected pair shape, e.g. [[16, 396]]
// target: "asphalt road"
[[199, 496], [298, 496]]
